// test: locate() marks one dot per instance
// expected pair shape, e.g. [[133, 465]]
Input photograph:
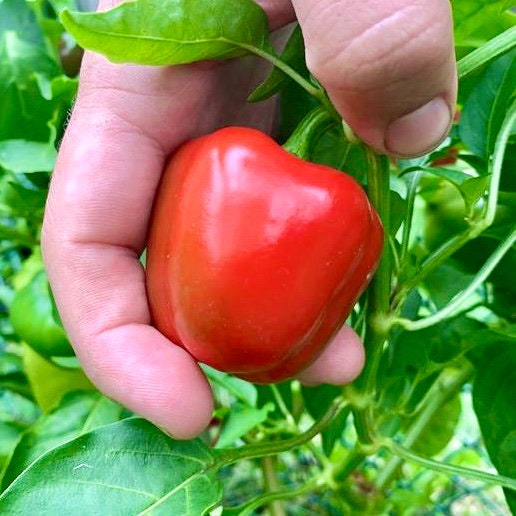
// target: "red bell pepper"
[[255, 257]]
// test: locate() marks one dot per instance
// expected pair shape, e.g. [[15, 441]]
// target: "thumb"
[[388, 67]]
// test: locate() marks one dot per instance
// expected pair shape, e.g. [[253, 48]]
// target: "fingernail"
[[421, 131]]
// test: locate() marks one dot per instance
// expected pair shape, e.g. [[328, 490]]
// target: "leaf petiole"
[[254, 451], [487, 52], [440, 467], [451, 308]]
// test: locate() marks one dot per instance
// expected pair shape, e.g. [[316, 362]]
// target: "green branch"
[[287, 70], [411, 198], [254, 451], [496, 163], [378, 293], [445, 387], [440, 467], [303, 140], [249, 508], [271, 484], [452, 308], [487, 52]]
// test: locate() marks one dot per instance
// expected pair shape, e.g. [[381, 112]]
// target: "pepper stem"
[[303, 140]]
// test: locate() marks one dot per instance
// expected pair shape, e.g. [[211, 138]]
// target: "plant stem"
[[304, 138], [281, 406], [434, 260], [271, 485], [496, 163], [378, 293], [475, 474], [253, 451], [411, 197], [451, 308], [352, 460], [487, 52], [289, 418], [287, 70], [445, 387], [249, 508]]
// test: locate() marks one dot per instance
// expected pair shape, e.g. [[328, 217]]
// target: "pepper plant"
[[431, 421]]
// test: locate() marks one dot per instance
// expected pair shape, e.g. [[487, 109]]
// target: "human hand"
[[378, 66]]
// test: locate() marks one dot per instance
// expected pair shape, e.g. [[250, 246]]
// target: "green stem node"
[[303, 140]]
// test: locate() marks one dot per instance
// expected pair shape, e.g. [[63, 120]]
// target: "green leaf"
[[398, 212], [241, 420], [494, 392], [417, 351], [15, 408], [471, 188], [242, 390], [440, 429], [9, 435], [17, 16], [78, 413], [10, 364], [22, 156], [29, 99], [487, 105], [17, 234], [59, 5], [129, 467], [475, 253], [478, 19], [21, 198], [20, 61], [171, 32], [34, 318], [286, 391], [445, 282], [50, 382], [293, 55]]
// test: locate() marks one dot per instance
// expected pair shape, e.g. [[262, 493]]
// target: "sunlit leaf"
[[241, 420], [35, 320], [77, 414], [129, 467], [242, 390], [17, 16], [166, 32], [26, 156]]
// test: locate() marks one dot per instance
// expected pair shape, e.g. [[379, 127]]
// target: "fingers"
[[126, 120], [341, 362], [279, 12], [388, 66], [94, 231]]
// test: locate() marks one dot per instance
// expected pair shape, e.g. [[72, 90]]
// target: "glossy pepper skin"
[[255, 257]]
